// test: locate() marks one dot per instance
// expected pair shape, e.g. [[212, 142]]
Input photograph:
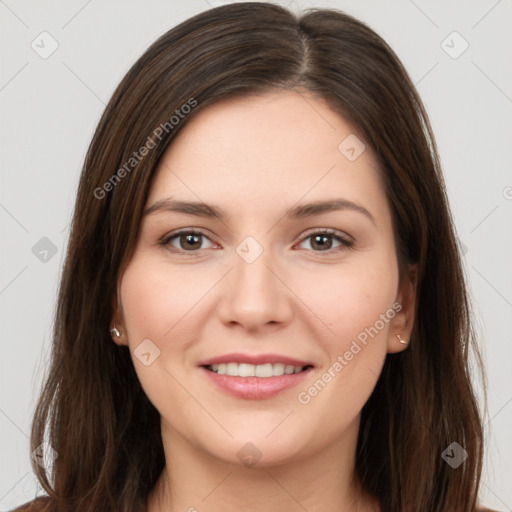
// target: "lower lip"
[[255, 388]]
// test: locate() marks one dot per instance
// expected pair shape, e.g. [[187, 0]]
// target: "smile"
[[254, 377], [262, 371]]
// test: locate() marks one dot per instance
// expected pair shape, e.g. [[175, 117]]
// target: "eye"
[[192, 241], [324, 241], [186, 241]]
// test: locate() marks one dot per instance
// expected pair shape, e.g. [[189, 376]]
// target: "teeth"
[[250, 370], [263, 370], [242, 370], [230, 368]]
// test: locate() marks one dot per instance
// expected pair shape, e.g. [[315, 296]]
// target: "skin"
[[255, 157]]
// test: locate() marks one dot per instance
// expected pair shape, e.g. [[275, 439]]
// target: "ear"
[[403, 321], [117, 321]]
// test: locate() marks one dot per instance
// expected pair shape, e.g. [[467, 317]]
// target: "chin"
[[255, 449]]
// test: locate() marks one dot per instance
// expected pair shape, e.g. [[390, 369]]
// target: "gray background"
[[50, 107]]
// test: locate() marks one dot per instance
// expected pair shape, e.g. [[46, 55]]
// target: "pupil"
[[322, 244], [192, 241]]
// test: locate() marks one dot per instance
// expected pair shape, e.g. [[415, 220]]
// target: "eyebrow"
[[302, 211]]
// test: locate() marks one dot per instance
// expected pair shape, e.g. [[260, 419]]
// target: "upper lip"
[[256, 359]]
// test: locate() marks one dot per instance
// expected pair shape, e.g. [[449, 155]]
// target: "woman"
[[262, 305]]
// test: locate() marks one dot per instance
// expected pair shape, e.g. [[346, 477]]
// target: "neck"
[[325, 481]]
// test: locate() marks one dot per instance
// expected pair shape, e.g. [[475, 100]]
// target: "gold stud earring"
[[403, 342], [115, 332]]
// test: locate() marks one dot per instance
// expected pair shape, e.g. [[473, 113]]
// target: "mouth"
[[255, 377], [261, 371]]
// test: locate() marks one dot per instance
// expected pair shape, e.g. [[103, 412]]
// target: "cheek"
[[157, 304], [356, 303], [349, 298], [156, 298]]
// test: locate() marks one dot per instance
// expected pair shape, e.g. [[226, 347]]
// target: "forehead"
[[268, 151]]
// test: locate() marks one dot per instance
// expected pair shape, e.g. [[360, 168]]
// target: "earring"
[[403, 342], [115, 332]]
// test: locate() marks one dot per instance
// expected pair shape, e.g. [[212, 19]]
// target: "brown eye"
[[326, 241], [189, 241]]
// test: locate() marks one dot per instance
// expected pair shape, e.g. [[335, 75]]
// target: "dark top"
[[41, 503]]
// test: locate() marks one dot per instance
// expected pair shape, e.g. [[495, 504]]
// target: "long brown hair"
[[92, 409]]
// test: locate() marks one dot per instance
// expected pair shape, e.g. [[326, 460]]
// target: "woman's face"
[[254, 287]]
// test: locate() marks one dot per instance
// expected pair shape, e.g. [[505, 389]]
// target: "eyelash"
[[346, 243]]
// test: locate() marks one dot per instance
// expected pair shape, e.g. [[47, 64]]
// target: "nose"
[[255, 294]]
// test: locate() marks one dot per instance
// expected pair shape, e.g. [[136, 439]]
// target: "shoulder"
[[39, 504]]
